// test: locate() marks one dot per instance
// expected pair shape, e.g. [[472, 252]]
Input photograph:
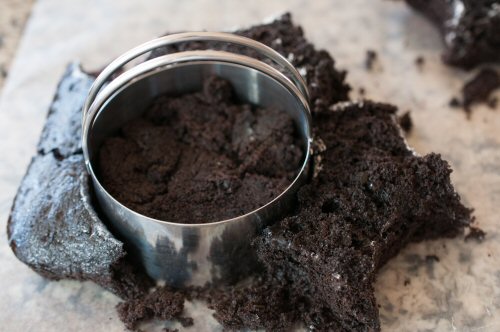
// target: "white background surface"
[[459, 293]]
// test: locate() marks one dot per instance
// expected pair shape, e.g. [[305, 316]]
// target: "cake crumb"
[[405, 122], [455, 102], [431, 258], [407, 282], [476, 234], [420, 61], [186, 321], [479, 88], [492, 103], [371, 57]]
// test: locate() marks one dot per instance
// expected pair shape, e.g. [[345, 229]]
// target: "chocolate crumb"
[[186, 321], [476, 234], [362, 91], [371, 57], [163, 304], [479, 88], [406, 122], [420, 61], [492, 103], [431, 258], [455, 103], [407, 282], [330, 286], [3, 71]]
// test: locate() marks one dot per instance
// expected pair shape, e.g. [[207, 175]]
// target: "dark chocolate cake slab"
[[53, 226], [470, 29]]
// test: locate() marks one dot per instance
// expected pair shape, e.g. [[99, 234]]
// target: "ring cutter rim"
[[100, 93]]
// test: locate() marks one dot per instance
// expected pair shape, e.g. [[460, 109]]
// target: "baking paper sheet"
[[461, 292]]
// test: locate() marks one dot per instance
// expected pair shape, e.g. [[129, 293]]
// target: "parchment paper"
[[461, 292]]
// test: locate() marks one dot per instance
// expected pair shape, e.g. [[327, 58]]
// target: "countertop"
[[458, 292]]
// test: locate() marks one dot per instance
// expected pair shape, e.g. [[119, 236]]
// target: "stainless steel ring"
[[185, 37], [183, 254]]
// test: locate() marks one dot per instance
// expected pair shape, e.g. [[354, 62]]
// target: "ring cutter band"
[[183, 254], [185, 37]]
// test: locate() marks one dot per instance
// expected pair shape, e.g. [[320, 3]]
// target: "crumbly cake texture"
[[53, 226], [162, 303], [320, 262], [469, 27], [201, 157], [371, 198]]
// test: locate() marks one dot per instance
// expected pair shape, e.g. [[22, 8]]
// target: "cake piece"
[[53, 226], [371, 197], [470, 29]]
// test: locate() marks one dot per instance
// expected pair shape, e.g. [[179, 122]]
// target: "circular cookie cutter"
[[193, 254]]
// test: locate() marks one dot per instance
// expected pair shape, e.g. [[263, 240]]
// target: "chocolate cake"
[[469, 27], [54, 227], [59, 147], [369, 196], [201, 157]]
